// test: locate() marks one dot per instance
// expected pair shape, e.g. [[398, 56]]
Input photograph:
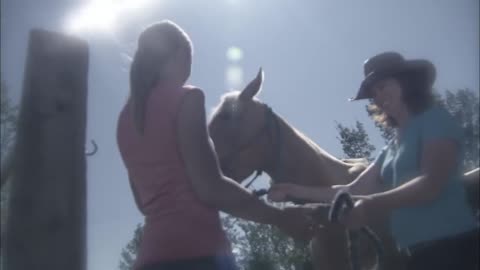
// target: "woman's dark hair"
[[416, 94]]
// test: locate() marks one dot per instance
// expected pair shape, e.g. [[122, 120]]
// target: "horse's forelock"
[[227, 100]]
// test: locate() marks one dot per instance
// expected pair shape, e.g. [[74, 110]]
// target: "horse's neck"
[[303, 162]]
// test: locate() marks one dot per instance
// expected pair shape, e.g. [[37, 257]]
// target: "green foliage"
[[259, 246], [463, 104], [129, 253], [8, 120], [256, 246], [355, 141]]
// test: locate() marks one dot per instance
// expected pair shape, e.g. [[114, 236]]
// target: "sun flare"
[[100, 15]]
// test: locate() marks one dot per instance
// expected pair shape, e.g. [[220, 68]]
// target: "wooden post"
[[46, 228]]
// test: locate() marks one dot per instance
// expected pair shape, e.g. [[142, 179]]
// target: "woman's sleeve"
[[439, 124]]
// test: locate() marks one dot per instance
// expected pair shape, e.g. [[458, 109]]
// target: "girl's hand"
[[287, 191]]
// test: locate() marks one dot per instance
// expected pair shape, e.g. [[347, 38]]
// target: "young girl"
[[421, 167], [173, 170]]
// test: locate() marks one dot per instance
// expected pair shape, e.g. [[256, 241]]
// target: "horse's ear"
[[253, 87]]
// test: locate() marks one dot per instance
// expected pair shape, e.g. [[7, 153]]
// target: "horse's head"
[[239, 130]]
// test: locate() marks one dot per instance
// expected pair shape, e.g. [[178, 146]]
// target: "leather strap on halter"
[[272, 126]]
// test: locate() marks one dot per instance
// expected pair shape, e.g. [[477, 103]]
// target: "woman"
[[420, 167], [172, 167]]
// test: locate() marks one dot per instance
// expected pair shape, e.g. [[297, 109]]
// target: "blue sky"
[[311, 51]]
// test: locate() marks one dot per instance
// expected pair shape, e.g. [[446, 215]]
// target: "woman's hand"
[[362, 214]]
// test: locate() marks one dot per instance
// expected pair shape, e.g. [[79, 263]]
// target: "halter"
[[272, 129]]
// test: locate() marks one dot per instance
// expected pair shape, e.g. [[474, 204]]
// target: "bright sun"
[[100, 15]]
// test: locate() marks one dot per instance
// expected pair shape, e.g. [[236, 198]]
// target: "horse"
[[249, 136]]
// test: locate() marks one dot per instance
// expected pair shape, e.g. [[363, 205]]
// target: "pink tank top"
[[177, 224]]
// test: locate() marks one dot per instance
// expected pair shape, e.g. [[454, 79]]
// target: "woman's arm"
[[366, 183], [439, 158]]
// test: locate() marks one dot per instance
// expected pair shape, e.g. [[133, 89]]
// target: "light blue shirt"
[[447, 215]]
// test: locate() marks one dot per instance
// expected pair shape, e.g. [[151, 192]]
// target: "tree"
[[255, 246], [8, 120], [267, 245], [236, 236], [129, 253], [260, 246], [463, 104], [355, 141]]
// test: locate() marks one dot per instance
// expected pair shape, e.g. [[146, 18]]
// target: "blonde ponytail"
[[156, 45]]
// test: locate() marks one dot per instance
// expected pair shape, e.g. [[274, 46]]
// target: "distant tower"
[[234, 70]]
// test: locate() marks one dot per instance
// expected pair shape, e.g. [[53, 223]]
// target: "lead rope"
[[341, 204]]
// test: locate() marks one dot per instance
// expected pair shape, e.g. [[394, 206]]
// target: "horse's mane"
[[228, 101], [231, 96], [356, 166], [308, 141]]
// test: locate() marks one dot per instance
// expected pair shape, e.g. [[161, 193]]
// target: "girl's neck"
[[171, 83]]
